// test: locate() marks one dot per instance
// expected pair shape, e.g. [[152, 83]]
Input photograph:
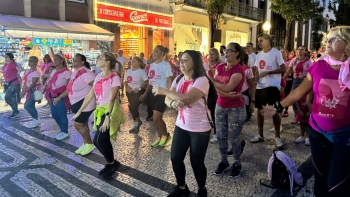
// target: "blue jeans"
[[296, 83], [59, 113], [29, 105]]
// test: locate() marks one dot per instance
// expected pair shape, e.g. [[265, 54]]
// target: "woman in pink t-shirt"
[[213, 61], [298, 66], [55, 86], [105, 91], [47, 63], [12, 86], [31, 83], [289, 79], [192, 128], [230, 113], [80, 84], [329, 130]]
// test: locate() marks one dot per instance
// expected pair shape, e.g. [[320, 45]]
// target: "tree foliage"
[[295, 10], [316, 35], [341, 10], [215, 9]]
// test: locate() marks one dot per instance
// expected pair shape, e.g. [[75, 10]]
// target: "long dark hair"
[[163, 49], [198, 70], [47, 56], [139, 60], [83, 58]]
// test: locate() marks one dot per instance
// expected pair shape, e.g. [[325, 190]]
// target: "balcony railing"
[[235, 9]]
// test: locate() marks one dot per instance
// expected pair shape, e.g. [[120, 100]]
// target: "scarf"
[[300, 67], [70, 84], [183, 90], [344, 74]]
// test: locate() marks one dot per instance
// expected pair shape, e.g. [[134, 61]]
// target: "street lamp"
[[266, 26]]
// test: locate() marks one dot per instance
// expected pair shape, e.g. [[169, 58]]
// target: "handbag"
[[38, 95]]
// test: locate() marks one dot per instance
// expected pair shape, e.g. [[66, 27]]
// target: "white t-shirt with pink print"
[[103, 87], [248, 75], [135, 78], [193, 117], [78, 87]]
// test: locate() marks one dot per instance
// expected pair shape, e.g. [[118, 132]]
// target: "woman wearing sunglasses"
[[329, 131]]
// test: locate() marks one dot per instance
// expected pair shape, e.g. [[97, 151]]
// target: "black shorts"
[[158, 102], [266, 96], [84, 116]]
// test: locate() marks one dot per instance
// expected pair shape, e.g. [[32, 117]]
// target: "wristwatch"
[[278, 107], [107, 114], [252, 101]]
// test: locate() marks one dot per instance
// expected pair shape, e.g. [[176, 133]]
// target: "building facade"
[[191, 29]]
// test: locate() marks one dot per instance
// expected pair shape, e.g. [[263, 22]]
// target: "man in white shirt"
[[270, 66], [123, 59], [250, 51]]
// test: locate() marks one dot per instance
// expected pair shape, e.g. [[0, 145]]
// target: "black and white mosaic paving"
[[33, 163]]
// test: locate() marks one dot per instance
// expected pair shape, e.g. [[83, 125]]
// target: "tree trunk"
[[286, 39], [212, 28]]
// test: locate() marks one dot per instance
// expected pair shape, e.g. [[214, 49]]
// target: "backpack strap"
[[179, 78]]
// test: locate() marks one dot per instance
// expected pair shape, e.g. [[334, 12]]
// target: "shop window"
[[157, 37], [131, 40], [238, 37]]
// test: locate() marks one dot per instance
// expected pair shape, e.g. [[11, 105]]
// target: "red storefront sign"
[[118, 14]]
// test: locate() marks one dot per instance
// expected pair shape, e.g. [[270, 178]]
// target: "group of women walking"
[[320, 92]]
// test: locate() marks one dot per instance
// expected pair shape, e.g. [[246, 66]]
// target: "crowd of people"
[[238, 79]]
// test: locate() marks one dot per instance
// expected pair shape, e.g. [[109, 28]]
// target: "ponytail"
[[83, 58]]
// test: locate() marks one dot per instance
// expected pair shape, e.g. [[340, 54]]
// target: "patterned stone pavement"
[[33, 163]]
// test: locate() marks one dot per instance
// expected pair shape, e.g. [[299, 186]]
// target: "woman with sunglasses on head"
[[159, 75], [31, 83], [80, 84], [298, 66], [105, 90], [12, 86], [136, 81], [55, 86], [230, 113], [329, 130], [192, 129]]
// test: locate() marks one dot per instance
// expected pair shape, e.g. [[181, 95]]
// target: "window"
[[78, 1]]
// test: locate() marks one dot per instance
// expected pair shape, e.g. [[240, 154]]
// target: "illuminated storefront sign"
[[122, 15]]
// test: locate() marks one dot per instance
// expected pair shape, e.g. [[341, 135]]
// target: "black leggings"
[[287, 90], [198, 144], [103, 143], [149, 105], [134, 103], [331, 165]]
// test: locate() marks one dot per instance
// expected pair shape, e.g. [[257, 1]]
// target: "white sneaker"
[[214, 139], [256, 139], [62, 136], [34, 123], [279, 144], [307, 142], [300, 140], [273, 129]]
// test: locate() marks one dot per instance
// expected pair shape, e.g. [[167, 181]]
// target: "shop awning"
[[22, 27]]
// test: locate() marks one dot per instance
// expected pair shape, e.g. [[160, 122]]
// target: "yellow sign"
[[67, 42]]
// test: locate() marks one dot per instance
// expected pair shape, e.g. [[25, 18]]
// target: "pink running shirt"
[[62, 79], [30, 75], [10, 73], [103, 87], [193, 117], [300, 67], [331, 105], [248, 75], [224, 77], [78, 87]]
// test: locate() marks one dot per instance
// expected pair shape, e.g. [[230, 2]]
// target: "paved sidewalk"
[[33, 163]]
